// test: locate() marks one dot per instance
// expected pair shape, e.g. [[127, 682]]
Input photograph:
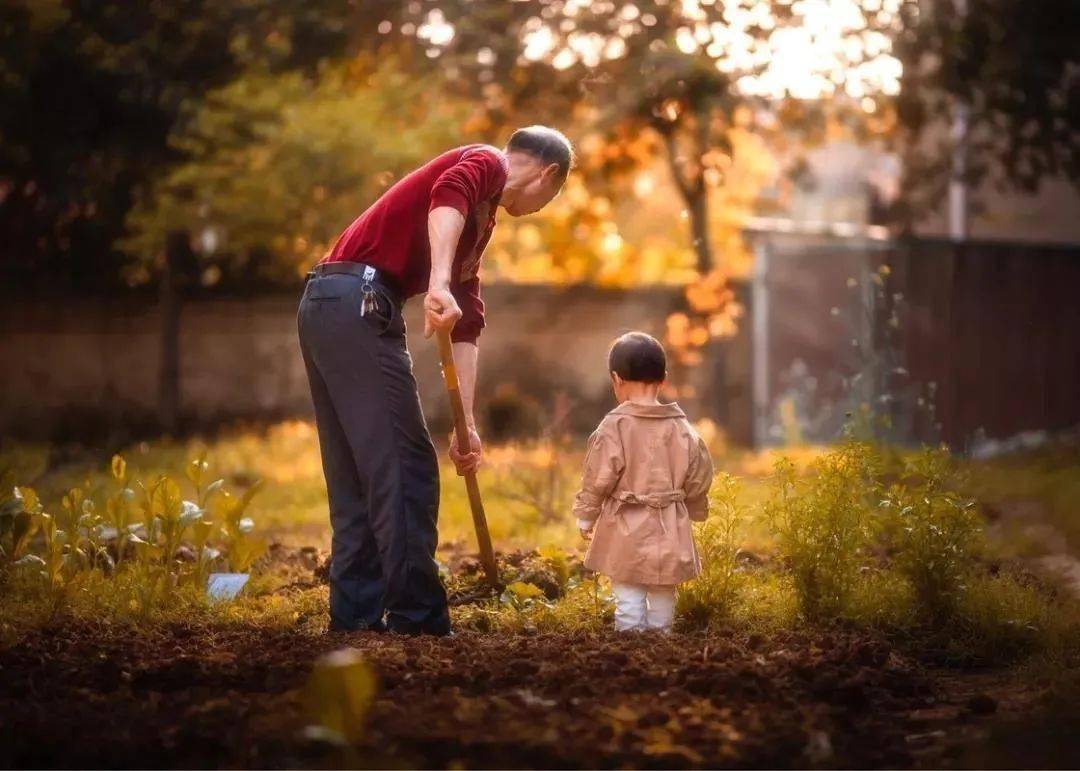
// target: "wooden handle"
[[461, 431]]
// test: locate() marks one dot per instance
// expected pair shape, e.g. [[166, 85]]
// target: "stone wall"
[[87, 366]]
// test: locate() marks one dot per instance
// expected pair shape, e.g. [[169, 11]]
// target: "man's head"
[[540, 158]]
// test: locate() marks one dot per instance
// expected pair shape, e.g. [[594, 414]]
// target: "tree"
[[688, 73], [1016, 70], [278, 164], [92, 89]]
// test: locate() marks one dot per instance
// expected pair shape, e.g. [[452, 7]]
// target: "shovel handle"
[[461, 430]]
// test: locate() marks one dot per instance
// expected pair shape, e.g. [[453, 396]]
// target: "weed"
[[712, 595], [822, 525], [936, 532]]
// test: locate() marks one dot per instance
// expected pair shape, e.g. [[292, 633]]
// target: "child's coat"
[[647, 475]]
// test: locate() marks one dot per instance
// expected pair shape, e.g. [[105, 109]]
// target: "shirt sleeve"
[[699, 476], [475, 178], [467, 294], [603, 467]]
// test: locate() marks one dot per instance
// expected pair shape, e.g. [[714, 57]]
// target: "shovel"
[[483, 537]]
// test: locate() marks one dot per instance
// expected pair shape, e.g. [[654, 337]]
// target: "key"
[[369, 303]]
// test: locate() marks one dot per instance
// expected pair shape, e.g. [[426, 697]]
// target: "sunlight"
[[827, 46], [436, 30]]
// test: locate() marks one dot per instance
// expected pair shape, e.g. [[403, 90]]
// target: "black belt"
[[361, 271]]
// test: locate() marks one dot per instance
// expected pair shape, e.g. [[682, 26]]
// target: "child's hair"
[[639, 357]]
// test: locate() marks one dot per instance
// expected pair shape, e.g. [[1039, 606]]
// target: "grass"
[[811, 544]]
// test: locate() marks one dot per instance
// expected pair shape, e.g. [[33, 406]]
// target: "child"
[[647, 474]]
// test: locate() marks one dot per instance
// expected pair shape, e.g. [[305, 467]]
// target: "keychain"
[[370, 302]]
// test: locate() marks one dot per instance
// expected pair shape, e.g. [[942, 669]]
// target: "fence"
[[951, 341]]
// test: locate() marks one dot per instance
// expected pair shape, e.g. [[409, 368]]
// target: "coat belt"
[[656, 501], [652, 500]]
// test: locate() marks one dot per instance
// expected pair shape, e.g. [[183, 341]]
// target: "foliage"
[[713, 594], [537, 477], [277, 164], [92, 92], [1000, 619], [683, 77], [822, 525], [811, 544], [146, 539], [937, 532], [1015, 71]]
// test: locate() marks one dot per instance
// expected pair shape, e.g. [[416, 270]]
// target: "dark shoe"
[[409, 630], [379, 627]]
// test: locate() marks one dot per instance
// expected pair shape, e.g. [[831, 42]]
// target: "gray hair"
[[547, 145]]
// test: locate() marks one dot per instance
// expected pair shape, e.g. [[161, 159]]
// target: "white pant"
[[638, 606]]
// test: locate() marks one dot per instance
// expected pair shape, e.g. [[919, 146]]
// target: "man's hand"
[[441, 311], [466, 463]]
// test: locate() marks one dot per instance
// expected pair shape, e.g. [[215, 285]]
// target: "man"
[[425, 234]]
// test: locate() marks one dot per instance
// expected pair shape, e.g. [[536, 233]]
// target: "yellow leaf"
[[550, 552], [29, 496], [339, 694], [523, 590], [165, 499], [119, 468]]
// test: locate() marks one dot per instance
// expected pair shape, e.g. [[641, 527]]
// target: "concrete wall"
[[77, 366]]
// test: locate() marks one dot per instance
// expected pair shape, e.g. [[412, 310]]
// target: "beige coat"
[[647, 475]]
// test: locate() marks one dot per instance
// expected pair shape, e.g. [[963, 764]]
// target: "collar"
[[672, 410]]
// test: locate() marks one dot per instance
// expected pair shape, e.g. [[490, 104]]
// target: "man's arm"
[[465, 359], [441, 310]]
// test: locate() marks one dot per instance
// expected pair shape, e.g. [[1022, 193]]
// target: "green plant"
[[150, 543], [242, 547], [935, 531], [712, 595], [999, 619], [19, 508], [821, 524]]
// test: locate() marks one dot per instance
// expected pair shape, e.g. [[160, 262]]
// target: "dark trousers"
[[382, 475]]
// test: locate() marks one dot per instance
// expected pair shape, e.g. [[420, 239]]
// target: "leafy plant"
[[712, 595], [241, 546], [822, 524], [936, 532], [19, 509], [157, 539]]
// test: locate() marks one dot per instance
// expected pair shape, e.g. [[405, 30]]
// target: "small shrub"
[[882, 599], [767, 601], [712, 595], [935, 532], [822, 524]]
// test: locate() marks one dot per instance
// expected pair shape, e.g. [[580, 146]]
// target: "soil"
[[106, 695]]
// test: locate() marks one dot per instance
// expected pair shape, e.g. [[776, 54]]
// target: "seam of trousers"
[[395, 422]]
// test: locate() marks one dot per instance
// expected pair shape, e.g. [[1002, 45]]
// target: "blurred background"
[[827, 209]]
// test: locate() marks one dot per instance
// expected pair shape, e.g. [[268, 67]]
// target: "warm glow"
[[826, 48]]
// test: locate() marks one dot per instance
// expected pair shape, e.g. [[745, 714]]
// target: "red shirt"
[[392, 235]]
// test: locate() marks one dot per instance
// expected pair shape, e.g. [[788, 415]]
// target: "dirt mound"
[[198, 697]]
